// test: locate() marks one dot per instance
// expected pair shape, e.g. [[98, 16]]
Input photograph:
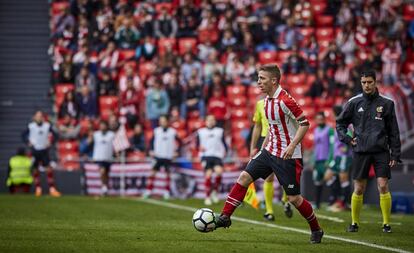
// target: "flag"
[[121, 141], [251, 197]]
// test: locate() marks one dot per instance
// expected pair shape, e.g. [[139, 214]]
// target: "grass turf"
[[85, 224]]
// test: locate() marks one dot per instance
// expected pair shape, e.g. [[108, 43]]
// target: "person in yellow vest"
[[19, 175], [260, 129]]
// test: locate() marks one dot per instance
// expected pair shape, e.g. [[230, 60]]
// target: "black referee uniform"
[[376, 132]]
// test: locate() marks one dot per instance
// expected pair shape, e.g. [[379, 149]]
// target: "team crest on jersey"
[[379, 112]]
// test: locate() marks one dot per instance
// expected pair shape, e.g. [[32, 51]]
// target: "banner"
[[185, 182]]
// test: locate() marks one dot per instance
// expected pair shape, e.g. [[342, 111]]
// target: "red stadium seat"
[[126, 54], [304, 101], [307, 33], [266, 57], [187, 45], [136, 156], [408, 12], [238, 101], [324, 21], [159, 6], [182, 133], [68, 146], [205, 35], [254, 94], [163, 43], [60, 91], [240, 125], [146, 69], [69, 160], [235, 91], [295, 80], [107, 104], [324, 33], [58, 7], [309, 111], [319, 8], [283, 55], [298, 92], [193, 114], [239, 113]]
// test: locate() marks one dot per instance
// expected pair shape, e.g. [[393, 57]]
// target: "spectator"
[[87, 103], [129, 74], [303, 13], [146, 49], [342, 76], [346, 43], [130, 104], [64, 20], [330, 59], [217, 106], [234, 69], [107, 85], [69, 128], [127, 35], [113, 122], [265, 35], [295, 63], [205, 49], [175, 92], [391, 63], [211, 66], [80, 56], [109, 57], [66, 70], [188, 66], [311, 52], [19, 174], [69, 106], [137, 140], [165, 26], [157, 103], [250, 71], [193, 99], [187, 21], [288, 35], [85, 78], [228, 40], [146, 23], [85, 143]]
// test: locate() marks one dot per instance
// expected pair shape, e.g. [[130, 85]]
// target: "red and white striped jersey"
[[282, 112]]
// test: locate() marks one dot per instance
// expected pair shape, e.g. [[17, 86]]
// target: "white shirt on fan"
[[212, 142], [164, 142]]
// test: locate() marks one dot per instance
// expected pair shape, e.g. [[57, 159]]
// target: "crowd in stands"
[[138, 60]]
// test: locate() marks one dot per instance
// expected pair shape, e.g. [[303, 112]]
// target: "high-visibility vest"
[[20, 171]]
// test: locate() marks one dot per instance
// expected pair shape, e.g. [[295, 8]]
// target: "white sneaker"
[[208, 202], [166, 196], [146, 194], [214, 197]]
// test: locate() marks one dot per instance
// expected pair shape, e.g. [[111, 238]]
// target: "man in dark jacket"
[[376, 141]]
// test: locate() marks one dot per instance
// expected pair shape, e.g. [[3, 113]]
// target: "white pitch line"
[[191, 209], [330, 218]]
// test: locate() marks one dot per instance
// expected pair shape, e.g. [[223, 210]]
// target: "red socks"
[[50, 179], [217, 183], [167, 183], [150, 184], [234, 199], [306, 210], [207, 184]]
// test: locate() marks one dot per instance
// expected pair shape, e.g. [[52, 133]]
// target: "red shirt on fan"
[[217, 105]]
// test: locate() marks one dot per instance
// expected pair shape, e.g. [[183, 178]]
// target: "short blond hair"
[[273, 69]]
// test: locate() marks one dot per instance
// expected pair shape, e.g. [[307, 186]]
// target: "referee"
[[376, 142]]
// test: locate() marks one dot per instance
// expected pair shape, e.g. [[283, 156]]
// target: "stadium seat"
[[408, 11], [69, 160], [126, 54], [309, 111], [58, 7], [64, 146], [324, 33], [205, 35], [182, 134], [240, 124], [306, 33], [107, 104], [236, 91], [253, 94], [295, 80], [164, 42], [238, 101], [60, 91], [239, 113], [298, 92], [146, 69], [135, 156], [187, 45], [283, 55], [318, 8], [178, 124], [195, 114], [159, 6], [324, 21], [266, 57], [304, 101]]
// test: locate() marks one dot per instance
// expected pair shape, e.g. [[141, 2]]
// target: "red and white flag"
[[121, 141]]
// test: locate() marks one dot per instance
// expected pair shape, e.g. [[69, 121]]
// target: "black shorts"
[[209, 162], [40, 157], [104, 165], [161, 162], [362, 162], [288, 172]]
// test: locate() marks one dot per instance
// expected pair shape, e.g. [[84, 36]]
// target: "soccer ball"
[[204, 220]]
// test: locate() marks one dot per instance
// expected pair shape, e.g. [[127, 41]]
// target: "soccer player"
[[163, 149], [212, 146], [323, 152], [343, 162], [376, 142], [103, 152], [260, 129], [37, 137], [281, 154]]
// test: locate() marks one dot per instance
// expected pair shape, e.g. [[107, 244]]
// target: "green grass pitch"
[[85, 224]]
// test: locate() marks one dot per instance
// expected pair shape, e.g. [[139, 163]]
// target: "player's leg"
[[45, 159], [343, 164], [151, 178], [383, 173], [167, 166], [360, 170], [218, 170], [207, 184], [36, 173], [257, 167], [318, 174], [268, 192], [104, 177]]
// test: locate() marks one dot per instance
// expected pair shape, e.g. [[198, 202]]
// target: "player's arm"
[[342, 123], [300, 133], [266, 140], [331, 161], [223, 140], [393, 137], [257, 129]]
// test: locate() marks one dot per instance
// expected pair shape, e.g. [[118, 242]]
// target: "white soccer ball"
[[204, 220]]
